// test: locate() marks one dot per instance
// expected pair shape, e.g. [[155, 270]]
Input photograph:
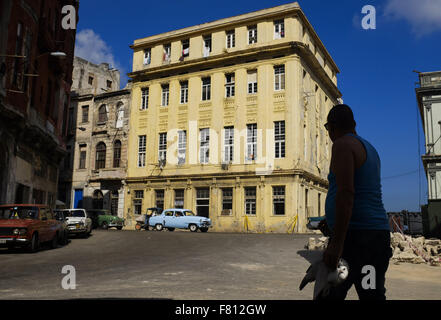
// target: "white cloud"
[[423, 15], [91, 47]]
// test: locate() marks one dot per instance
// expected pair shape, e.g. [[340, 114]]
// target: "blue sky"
[[376, 65]]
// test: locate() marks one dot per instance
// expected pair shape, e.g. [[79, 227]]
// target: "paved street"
[[184, 265]]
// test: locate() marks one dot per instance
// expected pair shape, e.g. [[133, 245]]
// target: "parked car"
[[181, 219], [142, 221], [29, 225], [103, 219], [77, 220]]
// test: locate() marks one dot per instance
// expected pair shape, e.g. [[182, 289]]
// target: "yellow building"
[[227, 120]]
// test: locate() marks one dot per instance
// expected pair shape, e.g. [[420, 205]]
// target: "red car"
[[28, 225]]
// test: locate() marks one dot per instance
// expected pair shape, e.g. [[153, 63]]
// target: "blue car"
[[181, 219]]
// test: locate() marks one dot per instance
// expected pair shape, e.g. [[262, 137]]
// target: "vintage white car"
[[78, 221]]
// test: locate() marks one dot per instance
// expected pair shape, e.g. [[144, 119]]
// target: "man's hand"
[[323, 227], [332, 255]]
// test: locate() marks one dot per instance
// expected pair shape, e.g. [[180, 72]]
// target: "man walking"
[[355, 212]]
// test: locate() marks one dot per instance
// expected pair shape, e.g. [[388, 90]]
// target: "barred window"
[[159, 199], [141, 151], [179, 198], [279, 137], [252, 34], [279, 200], [227, 201], [137, 202], [250, 201]]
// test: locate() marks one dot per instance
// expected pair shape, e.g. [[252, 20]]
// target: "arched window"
[[98, 199], [100, 162], [102, 114], [117, 154]]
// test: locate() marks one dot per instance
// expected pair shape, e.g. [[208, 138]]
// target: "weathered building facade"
[[227, 120], [36, 58], [99, 138], [429, 102]]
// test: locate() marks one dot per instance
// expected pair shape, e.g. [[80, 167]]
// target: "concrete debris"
[[405, 249]]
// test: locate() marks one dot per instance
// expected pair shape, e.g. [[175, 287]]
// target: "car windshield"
[[19, 213], [76, 214], [189, 213]]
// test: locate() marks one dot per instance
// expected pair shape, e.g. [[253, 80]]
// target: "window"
[[207, 46], [227, 201], [179, 198], [17, 76], [163, 146], [83, 154], [203, 202], [159, 198], [137, 202], [144, 98], [147, 56], [229, 85], [279, 78], [117, 154], [165, 94], [231, 39], [252, 34], [279, 29], [251, 141], [109, 84], [252, 81], [205, 145], [206, 88], [185, 49], [250, 201], [85, 114], [167, 53], [184, 92], [279, 138], [90, 80], [100, 162], [228, 144], [279, 200], [182, 145], [119, 115], [141, 151], [102, 114], [98, 199]]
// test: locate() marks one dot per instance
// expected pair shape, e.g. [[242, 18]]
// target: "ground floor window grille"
[[227, 202], [159, 199], [203, 202], [250, 201], [137, 202], [279, 200], [179, 198]]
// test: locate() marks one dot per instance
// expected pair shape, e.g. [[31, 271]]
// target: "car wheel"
[[159, 227], [119, 228], [104, 225], [54, 242], [35, 243], [171, 229], [204, 229], [193, 228], [138, 226]]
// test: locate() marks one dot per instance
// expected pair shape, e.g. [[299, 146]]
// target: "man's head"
[[340, 121]]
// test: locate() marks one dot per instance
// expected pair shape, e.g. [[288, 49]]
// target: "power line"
[[401, 175]]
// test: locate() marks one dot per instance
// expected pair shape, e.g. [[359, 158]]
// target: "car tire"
[[171, 229], [34, 246], [193, 228], [138, 227], [159, 227], [54, 241], [119, 228], [104, 225], [204, 229]]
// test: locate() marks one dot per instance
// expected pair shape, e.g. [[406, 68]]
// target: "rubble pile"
[[415, 250], [405, 248]]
